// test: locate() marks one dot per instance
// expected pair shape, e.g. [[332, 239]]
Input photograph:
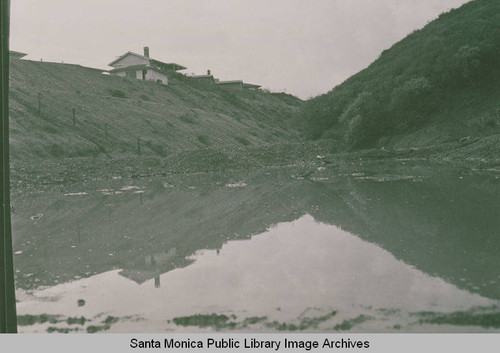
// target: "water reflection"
[[391, 243]]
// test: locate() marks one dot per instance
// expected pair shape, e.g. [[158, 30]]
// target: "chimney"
[[208, 72], [146, 52]]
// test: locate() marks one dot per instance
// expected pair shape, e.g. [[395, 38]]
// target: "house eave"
[[136, 67]]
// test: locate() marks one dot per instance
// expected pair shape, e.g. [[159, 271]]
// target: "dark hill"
[[440, 84]]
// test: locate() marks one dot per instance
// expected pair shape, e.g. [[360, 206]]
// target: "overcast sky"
[[305, 47]]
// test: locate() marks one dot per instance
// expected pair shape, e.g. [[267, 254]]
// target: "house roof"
[[244, 84], [201, 76], [250, 85], [229, 82], [174, 65], [17, 54]]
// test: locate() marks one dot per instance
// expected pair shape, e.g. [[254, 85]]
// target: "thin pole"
[[8, 317], [39, 104]]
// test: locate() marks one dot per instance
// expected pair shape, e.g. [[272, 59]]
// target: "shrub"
[[187, 118], [203, 139], [243, 141], [354, 132], [117, 93]]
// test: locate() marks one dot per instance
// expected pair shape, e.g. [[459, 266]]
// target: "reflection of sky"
[[293, 266], [302, 46]]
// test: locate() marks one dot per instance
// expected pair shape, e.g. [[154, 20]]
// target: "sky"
[[302, 47]]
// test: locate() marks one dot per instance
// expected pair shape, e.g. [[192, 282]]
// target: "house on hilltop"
[[238, 84], [208, 78], [142, 67]]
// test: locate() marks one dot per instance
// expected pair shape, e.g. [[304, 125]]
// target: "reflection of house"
[[238, 84], [16, 54], [151, 266], [159, 258], [142, 67]]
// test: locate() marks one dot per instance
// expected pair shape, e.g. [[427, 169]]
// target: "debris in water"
[[130, 187], [75, 193]]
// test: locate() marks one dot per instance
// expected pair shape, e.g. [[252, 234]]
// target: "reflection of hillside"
[[93, 233], [445, 225], [440, 224]]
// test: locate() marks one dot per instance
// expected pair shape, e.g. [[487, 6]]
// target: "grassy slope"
[[440, 84], [112, 113]]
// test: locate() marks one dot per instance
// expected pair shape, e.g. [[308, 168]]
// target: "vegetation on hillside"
[[446, 74], [61, 110]]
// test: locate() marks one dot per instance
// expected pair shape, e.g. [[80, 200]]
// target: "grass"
[[112, 112], [224, 322], [462, 318]]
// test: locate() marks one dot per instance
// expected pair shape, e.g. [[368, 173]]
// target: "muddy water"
[[397, 247]]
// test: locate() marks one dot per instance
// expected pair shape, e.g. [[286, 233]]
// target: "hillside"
[[438, 85], [118, 117]]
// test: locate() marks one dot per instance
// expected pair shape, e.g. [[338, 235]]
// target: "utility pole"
[[8, 317]]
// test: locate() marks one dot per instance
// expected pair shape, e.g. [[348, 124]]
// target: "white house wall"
[[152, 75]]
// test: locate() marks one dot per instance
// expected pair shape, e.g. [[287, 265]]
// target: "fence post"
[[39, 104]]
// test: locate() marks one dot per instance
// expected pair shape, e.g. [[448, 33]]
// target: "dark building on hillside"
[[238, 84], [208, 78]]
